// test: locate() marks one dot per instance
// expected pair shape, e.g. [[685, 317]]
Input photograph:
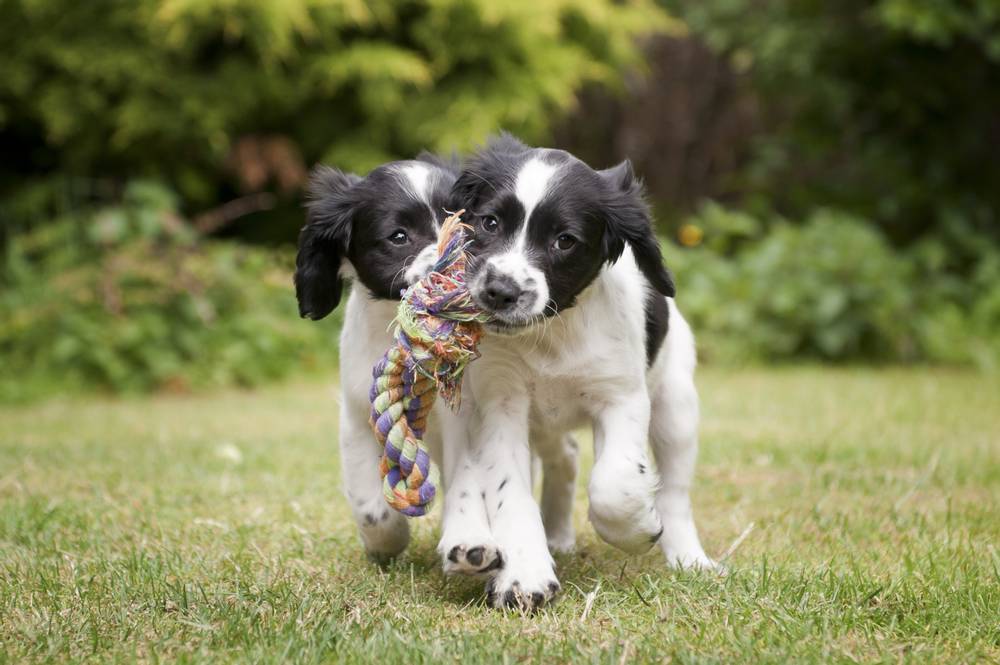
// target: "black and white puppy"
[[585, 332], [380, 231]]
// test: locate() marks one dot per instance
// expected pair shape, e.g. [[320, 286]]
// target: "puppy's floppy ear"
[[628, 221], [323, 241]]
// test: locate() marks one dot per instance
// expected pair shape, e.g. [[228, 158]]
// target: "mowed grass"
[[212, 528]]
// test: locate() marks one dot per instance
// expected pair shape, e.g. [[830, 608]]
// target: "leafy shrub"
[[861, 107], [129, 298], [831, 288], [185, 90], [960, 322]]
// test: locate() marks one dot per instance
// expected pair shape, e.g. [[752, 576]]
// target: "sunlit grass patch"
[[212, 528]]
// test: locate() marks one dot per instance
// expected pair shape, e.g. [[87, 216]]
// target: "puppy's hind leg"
[[674, 438], [559, 465]]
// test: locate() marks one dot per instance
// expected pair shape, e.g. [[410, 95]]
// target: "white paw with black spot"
[[384, 532], [481, 559], [524, 590]]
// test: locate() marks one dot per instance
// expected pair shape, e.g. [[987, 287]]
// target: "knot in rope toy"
[[437, 331]]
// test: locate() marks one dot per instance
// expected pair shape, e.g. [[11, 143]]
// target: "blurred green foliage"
[[165, 89], [884, 108], [119, 121], [868, 226], [831, 288], [129, 298]]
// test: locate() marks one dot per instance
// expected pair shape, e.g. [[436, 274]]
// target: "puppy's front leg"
[[467, 545], [503, 459], [622, 484], [384, 532]]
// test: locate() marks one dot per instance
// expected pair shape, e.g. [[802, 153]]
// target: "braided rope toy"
[[437, 331]]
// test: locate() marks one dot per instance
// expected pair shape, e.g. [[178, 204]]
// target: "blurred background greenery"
[[826, 176]]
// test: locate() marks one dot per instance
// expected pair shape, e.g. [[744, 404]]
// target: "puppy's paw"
[[682, 547], [481, 559], [628, 531], [526, 592], [562, 543], [694, 560], [384, 532]]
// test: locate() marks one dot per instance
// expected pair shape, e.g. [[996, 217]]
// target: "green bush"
[[831, 288], [884, 108], [960, 322], [129, 299], [209, 96]]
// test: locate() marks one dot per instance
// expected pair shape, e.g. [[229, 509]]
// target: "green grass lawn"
[[212, 528]]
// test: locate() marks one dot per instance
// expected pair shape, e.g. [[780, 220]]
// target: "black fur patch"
[[657, 324], [496, 564], [475, 556]]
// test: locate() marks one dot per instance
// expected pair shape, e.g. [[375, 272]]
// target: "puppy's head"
[[383, 225], [544, 225]]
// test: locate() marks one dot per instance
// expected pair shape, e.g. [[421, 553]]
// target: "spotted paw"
[[506, 592], [483, 559], [384, 532]]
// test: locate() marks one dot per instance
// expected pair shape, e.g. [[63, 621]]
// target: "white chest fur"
[[575, 362], [365, 337]]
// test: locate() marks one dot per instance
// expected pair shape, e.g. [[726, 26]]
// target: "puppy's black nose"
[[500, 292]]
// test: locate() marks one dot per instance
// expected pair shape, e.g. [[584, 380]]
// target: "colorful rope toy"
[[437, 330]]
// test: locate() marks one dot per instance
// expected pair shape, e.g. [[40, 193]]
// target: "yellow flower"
[[690, 235]]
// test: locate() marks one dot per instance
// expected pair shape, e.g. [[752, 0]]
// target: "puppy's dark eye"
[[489, 224], [399, 237], [565, 241]]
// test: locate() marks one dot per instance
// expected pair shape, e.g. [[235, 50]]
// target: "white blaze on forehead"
[[531, 186], [419, 179]]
